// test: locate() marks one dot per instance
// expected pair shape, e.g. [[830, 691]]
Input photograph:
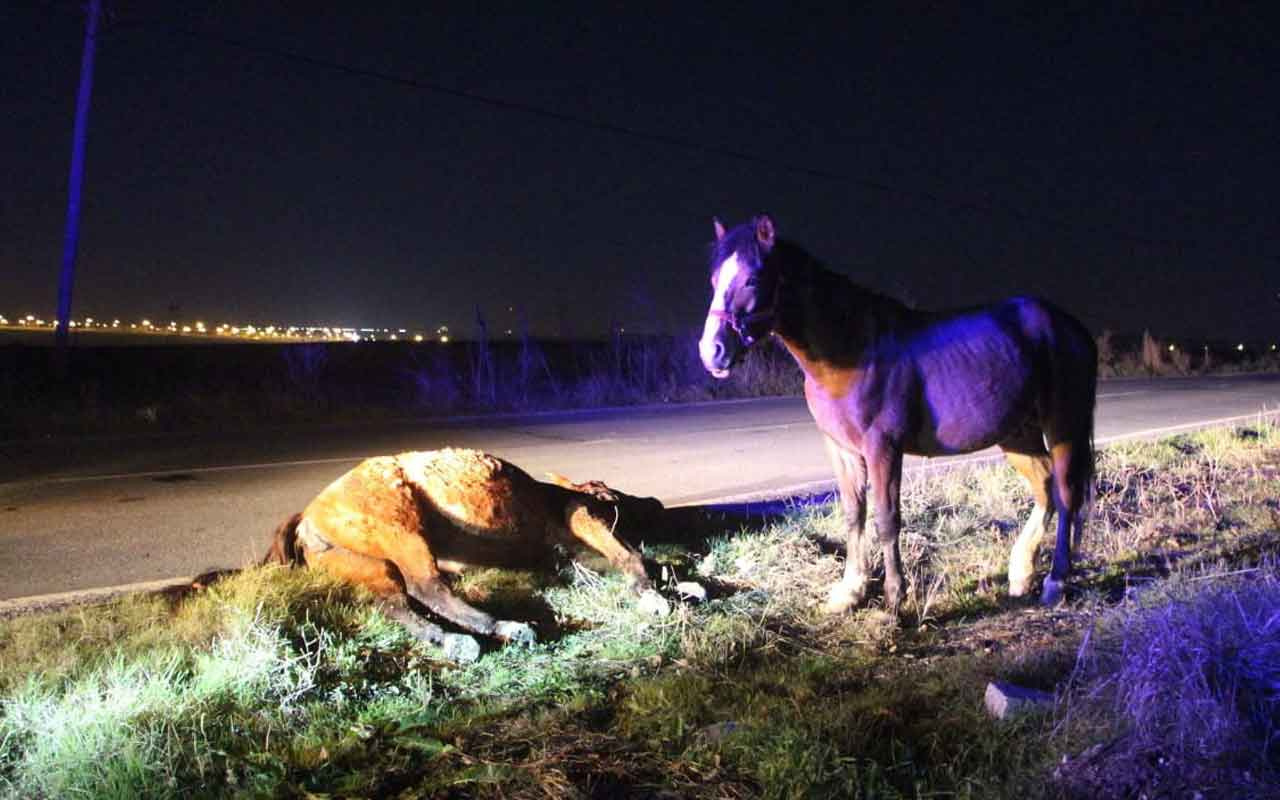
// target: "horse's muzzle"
[[717, 358]]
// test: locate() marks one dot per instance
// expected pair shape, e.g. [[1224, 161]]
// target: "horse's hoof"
[[651, 602], [842, 598], [1019, 586], [894, 596], [514, 632], [691, 590], [1054, 592], [460, 647]]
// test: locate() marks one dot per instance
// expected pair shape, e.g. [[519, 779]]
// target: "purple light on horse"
[[883, 380]]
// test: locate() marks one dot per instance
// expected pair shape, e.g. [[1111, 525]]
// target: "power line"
[[654, 137]]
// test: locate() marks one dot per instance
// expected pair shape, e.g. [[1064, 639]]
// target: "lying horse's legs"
[[851, 479], [585, 517], [456, 646], [423, 583], [383, 579], [884, 468], [1028, 456], [384, 522]]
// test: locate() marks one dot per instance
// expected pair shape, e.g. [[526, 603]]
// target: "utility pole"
[[71, 239]]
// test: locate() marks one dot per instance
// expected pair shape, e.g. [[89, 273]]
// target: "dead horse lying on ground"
[[882, 380], [393, 524]]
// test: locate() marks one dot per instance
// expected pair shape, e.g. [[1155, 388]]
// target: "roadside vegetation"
[[242, 386], [1164, 665], [1148, 356]]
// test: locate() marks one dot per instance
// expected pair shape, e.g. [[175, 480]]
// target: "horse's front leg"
[[884, 468], [851, 479]]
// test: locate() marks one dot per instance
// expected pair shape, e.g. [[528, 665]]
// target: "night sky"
[[1123, 162]]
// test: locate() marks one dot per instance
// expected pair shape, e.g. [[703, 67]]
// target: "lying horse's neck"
[[825, 320]]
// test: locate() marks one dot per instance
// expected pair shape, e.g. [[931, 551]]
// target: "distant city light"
[[1240, 347], [199, 329]]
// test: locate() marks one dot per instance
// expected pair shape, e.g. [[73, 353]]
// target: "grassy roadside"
[[1165, 664]]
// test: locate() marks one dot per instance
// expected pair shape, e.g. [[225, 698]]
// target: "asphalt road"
[[87, 513]]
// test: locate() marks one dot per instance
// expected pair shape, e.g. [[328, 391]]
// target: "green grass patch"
[[278, 682]]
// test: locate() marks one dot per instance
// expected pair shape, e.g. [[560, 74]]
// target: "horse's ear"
[[764, 232], [719, 228]]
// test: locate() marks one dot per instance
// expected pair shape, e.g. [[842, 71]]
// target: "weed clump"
[[1190, 673]]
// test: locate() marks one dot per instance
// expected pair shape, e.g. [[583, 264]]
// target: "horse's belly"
[[971, 403]]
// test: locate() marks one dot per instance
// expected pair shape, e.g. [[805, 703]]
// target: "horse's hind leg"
[[456, 646], [851, 479], [378, 516], [423, 583], [1070, 485], [1029, 457], [383, 579]]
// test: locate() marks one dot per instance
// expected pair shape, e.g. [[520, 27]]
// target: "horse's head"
[[744, 290]]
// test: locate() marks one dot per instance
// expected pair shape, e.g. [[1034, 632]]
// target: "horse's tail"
[[284, 544], [1085, 470], [1075, 389]]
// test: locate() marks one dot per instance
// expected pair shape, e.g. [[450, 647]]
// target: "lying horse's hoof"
[[460, 648], [1054, 592], [514, 632], [692, 591], [651, 602]]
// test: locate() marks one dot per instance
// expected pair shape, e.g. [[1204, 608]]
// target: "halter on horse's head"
[[744, 292]]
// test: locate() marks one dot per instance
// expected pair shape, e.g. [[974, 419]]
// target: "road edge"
[[51, 602]]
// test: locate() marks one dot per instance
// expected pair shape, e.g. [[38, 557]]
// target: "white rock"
[[653, 603], [460, 648], [1004, 700], [515, 632]]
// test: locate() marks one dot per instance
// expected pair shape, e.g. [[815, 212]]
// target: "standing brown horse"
[[882, 380]]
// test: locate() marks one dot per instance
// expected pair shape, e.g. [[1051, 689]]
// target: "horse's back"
[[478, 493], [986, 372]]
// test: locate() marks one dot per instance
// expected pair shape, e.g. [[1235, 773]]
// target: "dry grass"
[[278, 682]]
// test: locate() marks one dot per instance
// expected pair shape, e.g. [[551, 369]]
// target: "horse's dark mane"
[[821, 307]]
